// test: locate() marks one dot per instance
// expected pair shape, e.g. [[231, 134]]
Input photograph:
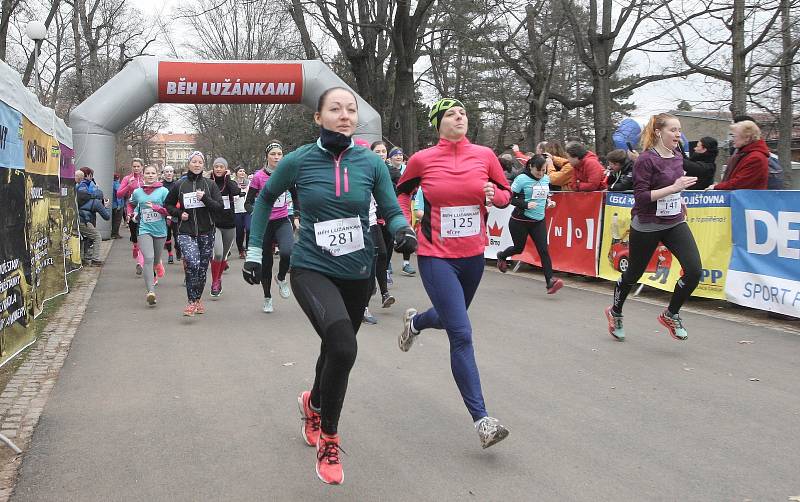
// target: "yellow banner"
[[708, 216], [41, 150]]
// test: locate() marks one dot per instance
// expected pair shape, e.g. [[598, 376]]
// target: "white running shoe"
[[267, 306], [406, 339], [283, 287], [490, 431]]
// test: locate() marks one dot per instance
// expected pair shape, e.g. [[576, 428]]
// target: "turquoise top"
[[331, 189], [533, 190], [419, 200], [150, 221]]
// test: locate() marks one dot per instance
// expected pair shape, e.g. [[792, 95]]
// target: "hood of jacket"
[[148, 189], [756, 146]]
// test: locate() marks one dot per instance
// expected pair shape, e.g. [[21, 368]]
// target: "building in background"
[[172, 149]]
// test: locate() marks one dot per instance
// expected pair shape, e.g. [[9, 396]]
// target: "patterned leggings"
[[197, 253]]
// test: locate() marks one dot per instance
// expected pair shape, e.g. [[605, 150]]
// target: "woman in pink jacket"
[[126, 188], [459, 180]]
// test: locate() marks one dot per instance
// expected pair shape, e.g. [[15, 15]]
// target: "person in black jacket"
[[702, 163], [225, 221], [620, 176], [192, 201]]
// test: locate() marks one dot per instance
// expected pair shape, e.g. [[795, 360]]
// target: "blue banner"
[[12, 151], [764, 271]]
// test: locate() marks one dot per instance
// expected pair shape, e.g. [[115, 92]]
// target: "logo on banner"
[[36, 152], [495, 230], [228, 88], [766, 234]]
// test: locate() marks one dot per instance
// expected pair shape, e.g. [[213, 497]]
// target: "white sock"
[[413, 329], [477, 422], [406, 262]]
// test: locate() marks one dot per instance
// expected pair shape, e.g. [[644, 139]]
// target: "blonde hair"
[[148, 166], [749, 130], [656, 123]]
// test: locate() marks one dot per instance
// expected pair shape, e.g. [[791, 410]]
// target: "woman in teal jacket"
[[332, 262], [150, 214]]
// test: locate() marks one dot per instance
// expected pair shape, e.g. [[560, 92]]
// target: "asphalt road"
[[152, 406]]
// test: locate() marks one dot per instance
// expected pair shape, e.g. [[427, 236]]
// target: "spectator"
[[117, 208], [702, 163], [589, 173], [510, 166], [620, 177], [90, 203], [748, 168], [559, 169], [775, 179]]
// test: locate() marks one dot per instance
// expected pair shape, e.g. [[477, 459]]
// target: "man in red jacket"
[[748, 168], [589, 172]]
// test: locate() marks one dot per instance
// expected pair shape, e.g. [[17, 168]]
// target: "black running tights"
[[680, 242], [335, 308]]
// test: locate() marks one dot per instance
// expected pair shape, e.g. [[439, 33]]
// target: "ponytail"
[[649, 137]]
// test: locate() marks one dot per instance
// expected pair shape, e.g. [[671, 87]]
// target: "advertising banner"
[[573, 233], [43, 208], [188, 82], [15, 262], [69, 211], [764, 270], [12, 153], [708, 216]]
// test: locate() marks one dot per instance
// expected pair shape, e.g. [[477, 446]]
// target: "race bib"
[[280, 201], [191, 201], [460, 221], [226, 202], [150, 216], [340, 237], [539, 192], [669, 205]]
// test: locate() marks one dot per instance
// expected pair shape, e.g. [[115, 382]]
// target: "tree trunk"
[[403, 127], [738, 63], [296, 11], [602, 115], [785, 118], [5, 21], [80, 88]]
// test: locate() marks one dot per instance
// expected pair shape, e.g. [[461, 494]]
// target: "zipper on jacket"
[[194, 211], [337, 163]]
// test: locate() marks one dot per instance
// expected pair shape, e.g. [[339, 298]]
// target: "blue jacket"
[[90, 202], [117, 202]]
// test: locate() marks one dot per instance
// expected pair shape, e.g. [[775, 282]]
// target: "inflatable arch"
[[148, 80]]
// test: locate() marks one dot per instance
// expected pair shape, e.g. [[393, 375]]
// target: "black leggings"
[[170, 236], [388, 241], [520, 230], [335, 308], [680, 242], [279, 232], [134, 228], [381, 260]]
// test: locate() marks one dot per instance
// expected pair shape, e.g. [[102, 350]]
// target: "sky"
[[650, 99]]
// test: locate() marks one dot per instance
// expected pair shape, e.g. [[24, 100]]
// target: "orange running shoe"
[[199, 308], [189, 311], [329, 467], [310, 428]]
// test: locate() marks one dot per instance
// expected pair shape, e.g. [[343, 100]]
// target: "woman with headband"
[[459, 180], [332, 272], [192, 202], [225, 221], [279, 230], [128, 184], [150, 216]]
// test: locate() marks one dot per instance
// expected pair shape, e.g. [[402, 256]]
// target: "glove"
[[252, 266], [405, 240]]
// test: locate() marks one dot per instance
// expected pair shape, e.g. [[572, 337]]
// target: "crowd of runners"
[[335, 210]]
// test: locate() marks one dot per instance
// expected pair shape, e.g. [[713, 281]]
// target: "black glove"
[[405, 241], [252, 266], [251, 272]]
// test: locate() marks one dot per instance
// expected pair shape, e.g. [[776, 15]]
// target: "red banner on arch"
[[235, 83]]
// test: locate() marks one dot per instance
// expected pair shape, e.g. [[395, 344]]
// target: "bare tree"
[[723, 41], [239, 30], [8, 8]]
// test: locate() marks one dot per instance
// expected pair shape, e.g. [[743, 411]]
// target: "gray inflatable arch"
[[148, 80]]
